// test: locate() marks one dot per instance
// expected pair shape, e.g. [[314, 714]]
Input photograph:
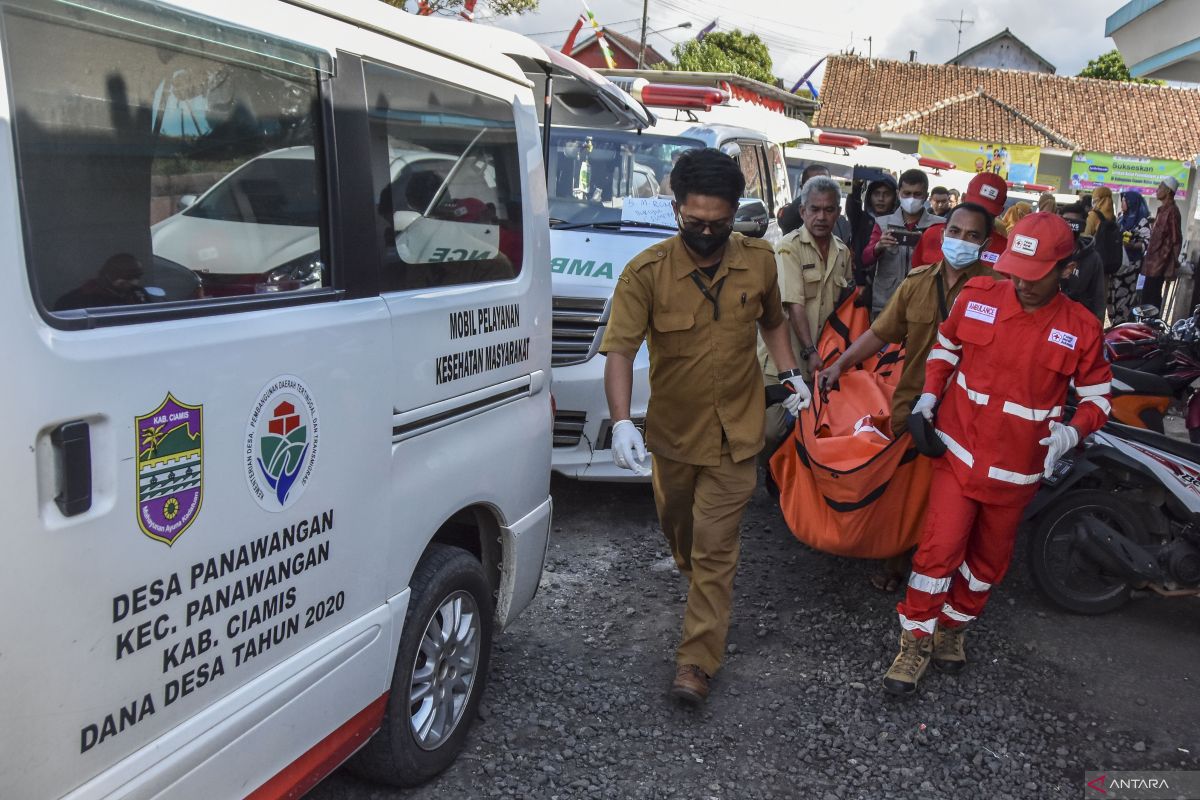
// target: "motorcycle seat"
[[1132, 381], [1159, 441]]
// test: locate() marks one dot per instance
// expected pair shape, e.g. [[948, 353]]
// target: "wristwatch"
[[808, 351], [789, 373]]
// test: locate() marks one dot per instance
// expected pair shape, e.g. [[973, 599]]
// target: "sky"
[[1067, 33]]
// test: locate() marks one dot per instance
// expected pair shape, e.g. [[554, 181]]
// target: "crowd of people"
[[1000, 309]]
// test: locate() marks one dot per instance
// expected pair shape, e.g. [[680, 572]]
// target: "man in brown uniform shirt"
[[700, 299], [919, 306]]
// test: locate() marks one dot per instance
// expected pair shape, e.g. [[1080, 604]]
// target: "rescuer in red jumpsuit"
[[1001, 368]]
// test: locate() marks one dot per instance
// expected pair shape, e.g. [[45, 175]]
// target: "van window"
[[779, 177], [593, 171], [750, 159], [448, 180], [121, 123]]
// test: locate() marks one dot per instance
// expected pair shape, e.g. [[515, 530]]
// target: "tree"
[[499, 7], [1110, 66], [739, 53]]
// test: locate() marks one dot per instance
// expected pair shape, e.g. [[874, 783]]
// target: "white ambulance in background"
[[609, 200], [256, 523]]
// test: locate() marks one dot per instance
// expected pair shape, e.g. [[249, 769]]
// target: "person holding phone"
[[894, 238]]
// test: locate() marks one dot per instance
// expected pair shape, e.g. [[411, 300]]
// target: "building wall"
[[1003, 54]]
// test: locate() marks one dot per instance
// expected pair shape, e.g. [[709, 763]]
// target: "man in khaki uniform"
[[920, 305], [912, 315], [815, 268], [699, 299]]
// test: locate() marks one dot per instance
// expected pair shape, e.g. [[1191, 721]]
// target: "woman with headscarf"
[[1014, 215], [1135, 230], [1102, 204]]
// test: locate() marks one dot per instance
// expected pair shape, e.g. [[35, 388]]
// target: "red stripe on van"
[[305, 772]]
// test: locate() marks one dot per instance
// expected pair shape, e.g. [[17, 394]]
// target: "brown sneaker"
[[910, 664], [691, 684], [948, 653]]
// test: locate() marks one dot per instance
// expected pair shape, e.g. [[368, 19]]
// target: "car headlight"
[[304, 270]]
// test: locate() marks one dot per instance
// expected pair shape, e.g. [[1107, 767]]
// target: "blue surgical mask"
[[960, 254]]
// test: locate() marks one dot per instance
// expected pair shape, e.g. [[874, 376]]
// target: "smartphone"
[[868, 174], [904, 236]]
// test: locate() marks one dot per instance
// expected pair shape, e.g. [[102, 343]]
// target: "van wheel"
[[441, 670]]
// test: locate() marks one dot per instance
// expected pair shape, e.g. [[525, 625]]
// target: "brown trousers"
[[700, 509]]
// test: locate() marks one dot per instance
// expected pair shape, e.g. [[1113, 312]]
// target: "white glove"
[[628, 449], [800, 398], [925, 405], [1062, 439]]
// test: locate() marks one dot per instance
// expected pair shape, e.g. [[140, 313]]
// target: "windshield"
[[266, 191], [593, 171]]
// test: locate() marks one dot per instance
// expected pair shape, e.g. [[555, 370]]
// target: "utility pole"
[[645, 17], [959, 23]]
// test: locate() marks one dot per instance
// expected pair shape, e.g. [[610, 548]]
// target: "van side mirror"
[[185, 201], [752, 218]]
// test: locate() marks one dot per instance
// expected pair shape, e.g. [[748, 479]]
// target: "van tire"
[[395, 755]]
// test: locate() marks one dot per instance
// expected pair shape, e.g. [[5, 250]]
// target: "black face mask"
[[704, 244]]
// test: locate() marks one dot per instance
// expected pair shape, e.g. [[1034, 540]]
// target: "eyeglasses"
[[716, 227]]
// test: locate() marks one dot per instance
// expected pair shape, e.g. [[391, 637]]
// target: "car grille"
[[568, 427], [578, 325]]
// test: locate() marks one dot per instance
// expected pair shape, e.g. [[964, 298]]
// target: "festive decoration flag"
[[569, 45], [706, 30], [608, 56], [468, 12]]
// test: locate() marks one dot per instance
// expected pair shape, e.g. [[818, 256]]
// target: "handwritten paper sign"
[[655, 210]]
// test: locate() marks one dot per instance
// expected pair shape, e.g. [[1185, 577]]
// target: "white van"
[[609, 200], [275, 465]]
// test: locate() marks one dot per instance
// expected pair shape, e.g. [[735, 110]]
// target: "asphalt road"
[[577, 705]]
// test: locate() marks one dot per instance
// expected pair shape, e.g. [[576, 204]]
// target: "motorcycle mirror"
[[1145, 311]]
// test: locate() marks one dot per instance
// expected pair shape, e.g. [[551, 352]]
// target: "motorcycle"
[[1120, 513], [1150, 347]]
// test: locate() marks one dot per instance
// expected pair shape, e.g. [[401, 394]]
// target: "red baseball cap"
[[1035, 245], [988, 190]]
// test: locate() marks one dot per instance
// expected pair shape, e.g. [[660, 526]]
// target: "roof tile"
[[971, 103]]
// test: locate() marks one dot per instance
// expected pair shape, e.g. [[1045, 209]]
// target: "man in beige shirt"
[[815, 269]]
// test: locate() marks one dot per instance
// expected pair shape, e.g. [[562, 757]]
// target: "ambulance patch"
[[1025, 245], [981, 312], [990, 192], [989, 257], [1062, 338]]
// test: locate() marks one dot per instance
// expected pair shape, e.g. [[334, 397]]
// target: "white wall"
[[1003, 53]]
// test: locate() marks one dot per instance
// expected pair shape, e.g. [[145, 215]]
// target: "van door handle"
[[72, 443]]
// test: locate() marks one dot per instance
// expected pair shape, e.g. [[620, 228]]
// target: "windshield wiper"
[[614, 225]]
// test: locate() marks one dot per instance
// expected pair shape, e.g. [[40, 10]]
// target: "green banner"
[[1119, 173]]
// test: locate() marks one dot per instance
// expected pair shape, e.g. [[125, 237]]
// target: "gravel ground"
[[577, 704]]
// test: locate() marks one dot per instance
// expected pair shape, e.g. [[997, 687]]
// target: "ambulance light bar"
[[838, 139], [935, 163], [672, 95], [1030, 187]]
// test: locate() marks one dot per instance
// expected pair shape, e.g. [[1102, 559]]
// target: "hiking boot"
[[910, 664], [691, 684], [948, 653]]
